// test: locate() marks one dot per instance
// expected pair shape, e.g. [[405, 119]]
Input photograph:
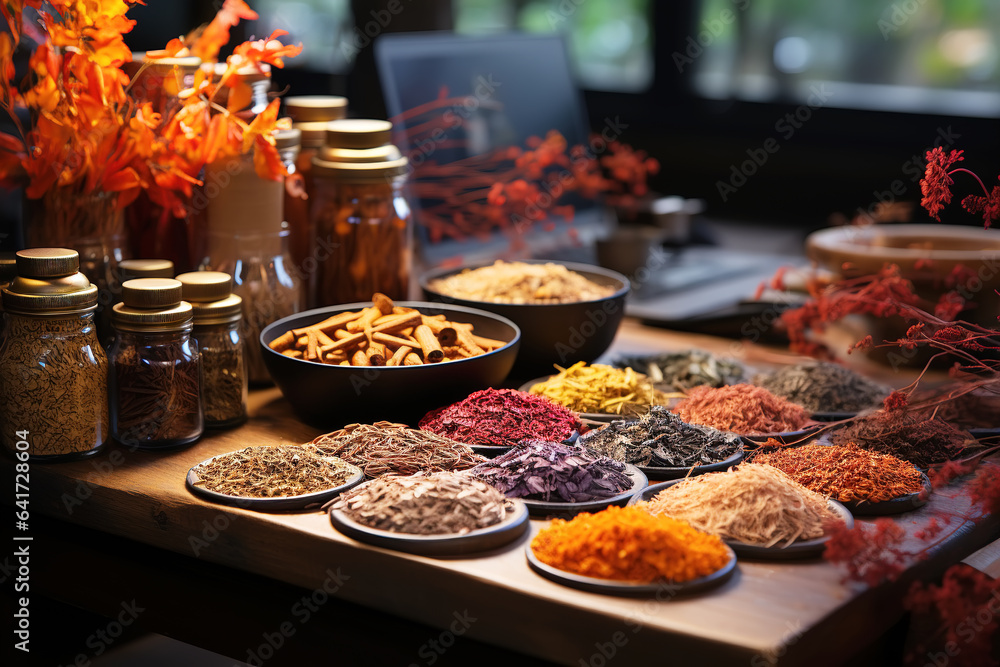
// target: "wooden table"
[[218, 564]]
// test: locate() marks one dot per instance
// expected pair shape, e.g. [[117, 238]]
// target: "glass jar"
[[310, 115], [248, 239], [295, 207], [217, 317], [155, 368], [53, 370], [93, 225], [361, 217]]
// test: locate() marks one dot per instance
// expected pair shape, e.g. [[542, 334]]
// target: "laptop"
[[454, 99]]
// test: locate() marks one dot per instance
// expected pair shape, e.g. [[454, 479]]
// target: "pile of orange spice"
[[741, 408], [630, 544], [846, 473]]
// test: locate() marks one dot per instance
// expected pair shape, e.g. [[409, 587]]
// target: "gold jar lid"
[[48, 282], [313, 108], [202, 286], [358, 133], [47, 262], [131, 269], [359, 151], [313, 133], [210, 295], [152, 304], [187, 62], [285, 139]]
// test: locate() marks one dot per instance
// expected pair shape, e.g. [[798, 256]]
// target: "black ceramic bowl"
[[558, 333], [329, 396]]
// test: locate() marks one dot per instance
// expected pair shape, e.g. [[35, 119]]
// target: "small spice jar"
[[360, 213], [53, 370], [155, 367], [217, 316]]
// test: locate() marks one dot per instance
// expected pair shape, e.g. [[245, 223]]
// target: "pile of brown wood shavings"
[[273, 472], [753, 504], [435, 504], [385, 448]]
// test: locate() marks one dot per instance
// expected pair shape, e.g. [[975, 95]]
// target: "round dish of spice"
[[921, 441], [824, 389], [756, 509], [599, 392], [866, 483], [680, 371], [663, 446], [554, 479], [625, 550], [744, 409], [494, 420], [520, 283], [437, 514], [385, 448], [282, 477]]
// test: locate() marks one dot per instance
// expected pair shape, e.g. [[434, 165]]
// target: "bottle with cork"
[[155, 379], [361, 212], [248, 239], [53, 370], [310, 115]]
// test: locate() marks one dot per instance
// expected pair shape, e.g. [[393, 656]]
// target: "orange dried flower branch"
[[89, 135]]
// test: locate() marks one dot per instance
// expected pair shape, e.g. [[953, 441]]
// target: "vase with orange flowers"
[[93, 145]]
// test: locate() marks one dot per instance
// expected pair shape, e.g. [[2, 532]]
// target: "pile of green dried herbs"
[[662, 439], [442, 503], [273, 472], [554, 472], [680, 371], [824, 387]]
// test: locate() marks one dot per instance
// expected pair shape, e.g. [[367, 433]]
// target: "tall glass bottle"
[[247, 238]]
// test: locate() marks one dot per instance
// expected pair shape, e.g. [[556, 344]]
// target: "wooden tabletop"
[[798, 611]]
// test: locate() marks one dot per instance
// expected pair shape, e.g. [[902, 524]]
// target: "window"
[[924, 56], [324, 27], [610, 41]]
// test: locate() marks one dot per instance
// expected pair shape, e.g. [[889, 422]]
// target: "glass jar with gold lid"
[[53, 370], [155, 367], [360, 213], [217, 316]]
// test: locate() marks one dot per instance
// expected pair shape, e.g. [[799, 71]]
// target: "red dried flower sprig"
[[936, 188], [511, 188], [963, 607]]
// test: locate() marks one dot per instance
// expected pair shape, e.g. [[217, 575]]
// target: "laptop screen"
[[458, 104]]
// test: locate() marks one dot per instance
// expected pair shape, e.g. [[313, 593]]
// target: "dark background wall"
[[838, 162]]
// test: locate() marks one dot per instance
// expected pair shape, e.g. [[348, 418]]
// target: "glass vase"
[[94, 226]]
